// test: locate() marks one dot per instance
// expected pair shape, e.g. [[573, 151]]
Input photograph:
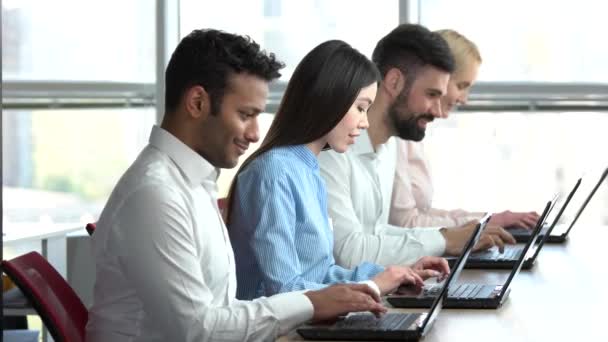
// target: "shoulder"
[[275, 164], [152, 181], [331, 159]]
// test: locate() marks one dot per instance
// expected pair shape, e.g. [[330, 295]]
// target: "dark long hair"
[[320, 92]]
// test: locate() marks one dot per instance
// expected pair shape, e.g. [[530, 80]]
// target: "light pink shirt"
[[411, 203]]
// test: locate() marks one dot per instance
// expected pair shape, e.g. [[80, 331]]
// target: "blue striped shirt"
[[280, 230]]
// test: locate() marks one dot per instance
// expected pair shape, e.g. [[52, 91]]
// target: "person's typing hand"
[[338, 300], [515, 219], [492, 235], [393, 276], [430, 266]]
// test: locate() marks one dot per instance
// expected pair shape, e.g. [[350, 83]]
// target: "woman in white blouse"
[[411, 204]]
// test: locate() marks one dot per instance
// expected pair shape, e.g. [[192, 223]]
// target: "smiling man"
[[415, 65], [165, 267]]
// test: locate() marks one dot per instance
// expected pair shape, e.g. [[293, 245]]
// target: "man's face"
[[419, 103], [226, 135]]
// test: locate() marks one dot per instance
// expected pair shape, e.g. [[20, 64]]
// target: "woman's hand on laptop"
[[512, 219], [338, 300], [492, 235], [394, 276], [430, 266]]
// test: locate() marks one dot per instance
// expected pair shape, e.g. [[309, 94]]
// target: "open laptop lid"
[[580, 210], [566, 202], [524, 252], [548, 232], [456, 269]]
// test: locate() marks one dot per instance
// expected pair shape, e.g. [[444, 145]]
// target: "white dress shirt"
[[411, 205], [165, 266], [359, 187]]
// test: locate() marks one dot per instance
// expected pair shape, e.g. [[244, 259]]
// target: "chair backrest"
[[221, 204], [90, 228], [55, 301]]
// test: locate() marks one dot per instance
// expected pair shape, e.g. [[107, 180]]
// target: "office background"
[[80, 93]]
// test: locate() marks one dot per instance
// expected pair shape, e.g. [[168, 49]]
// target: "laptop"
[[563, 236], [523, 235], [463, 296], [492, 258], [391, 326]]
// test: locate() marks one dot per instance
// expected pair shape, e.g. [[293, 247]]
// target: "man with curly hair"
[[165, 266]]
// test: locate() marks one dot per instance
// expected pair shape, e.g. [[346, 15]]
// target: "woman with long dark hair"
[[277, 206]]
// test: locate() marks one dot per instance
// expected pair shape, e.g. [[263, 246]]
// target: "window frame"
[[524, 96]]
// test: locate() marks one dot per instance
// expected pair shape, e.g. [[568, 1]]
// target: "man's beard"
[[404, 122]]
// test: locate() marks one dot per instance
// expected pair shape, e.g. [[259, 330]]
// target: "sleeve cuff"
[[291, 309], [433, 242], [373, 285]]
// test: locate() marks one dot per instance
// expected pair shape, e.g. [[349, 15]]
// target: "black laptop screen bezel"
[[548, 232], [584, 205], [457, 268], [564, 206], [522, 257]]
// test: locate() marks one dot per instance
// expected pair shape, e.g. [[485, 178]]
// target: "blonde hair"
[[464, 50]]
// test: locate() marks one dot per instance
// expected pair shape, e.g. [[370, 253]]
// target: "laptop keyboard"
[[456, 291], [508, 254], [527, 232], [391, 321]]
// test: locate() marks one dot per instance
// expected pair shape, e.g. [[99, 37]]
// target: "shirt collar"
[[363, 145], [303, 153], [194, 167]]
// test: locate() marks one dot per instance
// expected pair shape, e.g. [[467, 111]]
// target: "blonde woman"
[[411, 204]]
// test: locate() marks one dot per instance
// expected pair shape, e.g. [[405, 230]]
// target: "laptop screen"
[[545, 237], [457, 268], [564, 205], [531, 241], [580, 210]]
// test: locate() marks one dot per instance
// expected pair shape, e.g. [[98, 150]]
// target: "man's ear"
[[394, 81], [197, 102]]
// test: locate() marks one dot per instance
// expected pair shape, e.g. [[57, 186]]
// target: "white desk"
[[561, 299], [12, 311], [52, 239]]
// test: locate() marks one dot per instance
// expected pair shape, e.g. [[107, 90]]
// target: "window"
[[78, 99], [292, 28], [518, 160], [529, 41], [61, 165], [76, 40], [533, 121]]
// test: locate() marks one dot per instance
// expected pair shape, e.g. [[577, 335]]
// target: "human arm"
[[337, 300], [281, 221], [423, 268], [492, 235], [357, 241], [508, 219], [411, 203], [161, 258], [413, 190]]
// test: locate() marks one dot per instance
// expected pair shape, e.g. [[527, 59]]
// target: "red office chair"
[[55, 301], [90, 228], [222, 203]]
